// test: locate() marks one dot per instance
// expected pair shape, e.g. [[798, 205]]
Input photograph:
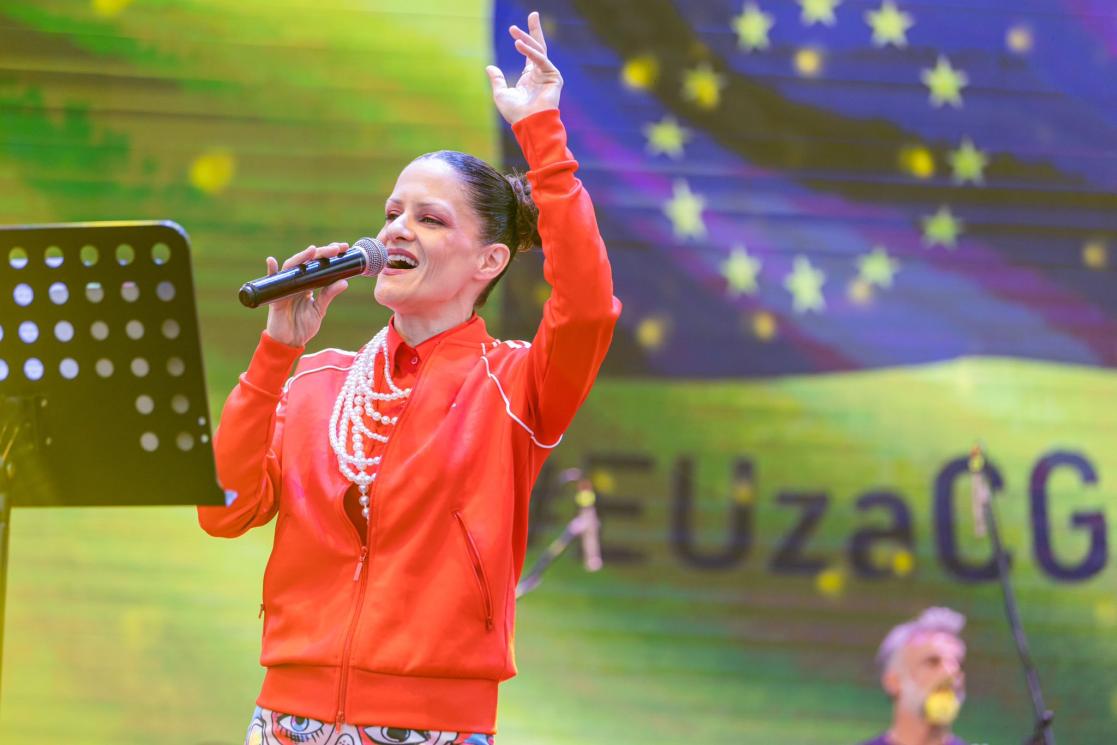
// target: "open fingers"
[[519, 34], [535, 56], [535, 26]]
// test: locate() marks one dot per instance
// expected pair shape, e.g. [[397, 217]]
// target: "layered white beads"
[[355, 401]]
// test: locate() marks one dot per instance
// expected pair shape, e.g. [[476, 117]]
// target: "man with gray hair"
[[921, 670]]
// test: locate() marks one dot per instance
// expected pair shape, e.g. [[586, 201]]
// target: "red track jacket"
[[419, 632]]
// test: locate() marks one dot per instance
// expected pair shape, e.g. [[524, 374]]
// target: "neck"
[[416, 328], [909, 728]]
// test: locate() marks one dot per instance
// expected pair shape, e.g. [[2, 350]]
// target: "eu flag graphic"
[[811, 186]]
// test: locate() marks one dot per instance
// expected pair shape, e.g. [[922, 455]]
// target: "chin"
[[395, 299]]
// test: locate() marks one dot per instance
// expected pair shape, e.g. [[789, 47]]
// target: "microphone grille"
[[376, 256]]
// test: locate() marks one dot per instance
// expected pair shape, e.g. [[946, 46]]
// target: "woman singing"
[[401, 473]]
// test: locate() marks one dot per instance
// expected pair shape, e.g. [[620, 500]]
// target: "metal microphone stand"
[[986, 521], [584, 525]]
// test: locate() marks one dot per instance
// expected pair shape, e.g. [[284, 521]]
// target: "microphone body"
[[367, 257]]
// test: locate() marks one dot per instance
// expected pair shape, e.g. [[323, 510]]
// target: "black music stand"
[[102, 395]]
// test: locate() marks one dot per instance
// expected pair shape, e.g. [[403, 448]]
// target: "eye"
[[396, 736], [389, 216], [298, 729], [432, 220]]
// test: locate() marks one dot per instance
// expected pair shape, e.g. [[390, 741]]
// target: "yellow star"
[[763, 325], [1105, 613], [740, 272], [666, 137], [641, 72], [743, 491], [109, 8], [819, 11], [903, 563], [918, 161], [808, 62], [651, 333], [968, 163], [945, 83], [752, 27], [1019, 39], [212, 171], [877, 268], [685, 210], [831, 582], [703, 86], [542, 293], [860, 291], [603, 481], [1095, 254], [890, 25], [941, 228], [805, 285]]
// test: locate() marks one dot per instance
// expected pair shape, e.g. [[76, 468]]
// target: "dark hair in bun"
[[503, 203]]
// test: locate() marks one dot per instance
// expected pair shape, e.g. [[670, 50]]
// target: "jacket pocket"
[[478, 570]]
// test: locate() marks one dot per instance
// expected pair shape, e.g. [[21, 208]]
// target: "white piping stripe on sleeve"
[[314, 370], [508, 406], [329, 349]]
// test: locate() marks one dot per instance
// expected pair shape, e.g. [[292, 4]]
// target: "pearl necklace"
[[354, 402]]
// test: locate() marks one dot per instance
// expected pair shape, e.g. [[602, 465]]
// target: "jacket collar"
[[470, 333]]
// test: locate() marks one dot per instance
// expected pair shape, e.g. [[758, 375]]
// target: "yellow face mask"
[[941, 707]]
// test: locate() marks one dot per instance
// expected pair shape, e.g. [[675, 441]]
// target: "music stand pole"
[[7, 440], [1042, 734]]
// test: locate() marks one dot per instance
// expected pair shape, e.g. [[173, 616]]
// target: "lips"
[[401, 259]]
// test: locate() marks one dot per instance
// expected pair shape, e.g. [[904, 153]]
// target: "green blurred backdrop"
[[262, 127]]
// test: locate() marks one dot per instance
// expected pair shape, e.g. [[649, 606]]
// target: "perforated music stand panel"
[[101, 378]]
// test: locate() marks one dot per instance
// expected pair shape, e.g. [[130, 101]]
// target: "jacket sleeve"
[[578, 318], [248, 443]]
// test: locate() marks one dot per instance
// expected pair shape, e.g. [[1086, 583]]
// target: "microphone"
[[367, 257], [979, 490], [590, 524]]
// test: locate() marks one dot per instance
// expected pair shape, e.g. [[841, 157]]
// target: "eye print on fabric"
[[255, 735], [476, 740], [290, 728], [397, 736]]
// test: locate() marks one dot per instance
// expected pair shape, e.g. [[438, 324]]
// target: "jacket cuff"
[[542, 139], [271, 364]]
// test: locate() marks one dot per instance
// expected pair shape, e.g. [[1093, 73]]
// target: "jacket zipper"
[[478, 570], [361, 575]]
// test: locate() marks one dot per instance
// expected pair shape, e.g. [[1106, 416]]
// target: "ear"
[[494, 257], [890, 682]]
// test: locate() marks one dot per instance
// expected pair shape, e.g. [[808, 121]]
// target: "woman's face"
[[432, 237]]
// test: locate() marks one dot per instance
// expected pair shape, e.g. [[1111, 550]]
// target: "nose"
[[953, 668], [397, 229]]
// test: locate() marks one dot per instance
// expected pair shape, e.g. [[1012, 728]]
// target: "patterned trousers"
[[276, 728]]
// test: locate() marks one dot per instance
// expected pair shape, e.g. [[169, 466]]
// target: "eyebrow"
[[424, 205]]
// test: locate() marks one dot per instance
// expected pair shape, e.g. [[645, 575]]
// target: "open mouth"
[[401, 260]]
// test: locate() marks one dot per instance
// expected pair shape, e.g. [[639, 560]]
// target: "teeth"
[[405, 260]]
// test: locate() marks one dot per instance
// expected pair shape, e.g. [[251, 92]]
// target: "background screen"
[[853, 240]]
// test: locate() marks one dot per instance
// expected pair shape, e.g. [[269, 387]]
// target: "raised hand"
[[294, 320], [540, 83]]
